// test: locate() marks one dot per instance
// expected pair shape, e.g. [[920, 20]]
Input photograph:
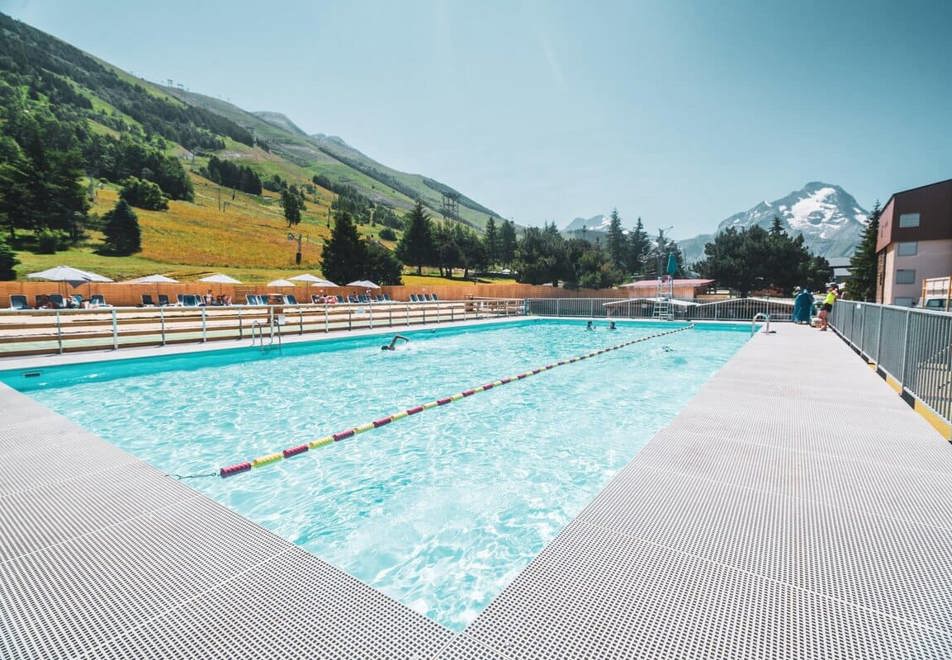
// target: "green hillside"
[[74, 130], [342, 164]]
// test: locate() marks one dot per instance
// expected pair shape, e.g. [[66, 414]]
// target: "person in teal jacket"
[[803, 306]]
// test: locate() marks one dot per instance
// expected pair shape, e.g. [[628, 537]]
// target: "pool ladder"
[[259, 326], [760, 316]]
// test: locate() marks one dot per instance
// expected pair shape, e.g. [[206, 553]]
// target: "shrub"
[[49, 241], [387, 234], [143, 194]]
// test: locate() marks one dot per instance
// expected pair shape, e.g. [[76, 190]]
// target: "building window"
[[903, 302], [907, 249], [909, 220], [905, 276]]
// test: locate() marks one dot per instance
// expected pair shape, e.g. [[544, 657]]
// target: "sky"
[[680, 112]]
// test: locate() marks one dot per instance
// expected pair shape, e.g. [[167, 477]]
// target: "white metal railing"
[[34, 332], [735, 309], [912, 346]]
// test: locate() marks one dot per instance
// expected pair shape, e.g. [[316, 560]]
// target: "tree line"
[[754, 259], [231, 175], [451, 246]]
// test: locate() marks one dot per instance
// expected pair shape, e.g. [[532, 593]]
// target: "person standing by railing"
[[828, 302]]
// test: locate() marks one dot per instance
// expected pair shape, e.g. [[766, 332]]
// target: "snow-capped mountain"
[[829, 218], [595, 223]]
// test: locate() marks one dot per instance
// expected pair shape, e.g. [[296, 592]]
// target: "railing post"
[[241, 329], [451, 314], [558, 307], [59, 332], [905, 351], [591, 308], [424, 316], [270, 324], [327, 325], [350, 319], [115, 330], [390, 316], [204, 326], [406, 308], [301, 322], [879, 334], [371, 312], [162, 323]]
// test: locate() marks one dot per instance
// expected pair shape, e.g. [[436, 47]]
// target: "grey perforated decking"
[[795, 508]]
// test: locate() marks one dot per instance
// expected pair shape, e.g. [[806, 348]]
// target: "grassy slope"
[[248, 240]]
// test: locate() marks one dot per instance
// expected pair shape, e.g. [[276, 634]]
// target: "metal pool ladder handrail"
[[760, 316]]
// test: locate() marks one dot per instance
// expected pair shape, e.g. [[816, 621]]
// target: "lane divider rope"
[[268, 459]]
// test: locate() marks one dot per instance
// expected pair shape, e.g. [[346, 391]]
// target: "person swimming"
[[611, 325], [392, 346], [589, 326]]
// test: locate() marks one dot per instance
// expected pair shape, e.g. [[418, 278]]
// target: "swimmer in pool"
[[392, 346], [589, 326], [611, 325]]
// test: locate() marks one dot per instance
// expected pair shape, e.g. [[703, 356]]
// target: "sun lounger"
[[18, 302], [163, 300], [289, 299], [98, 300]]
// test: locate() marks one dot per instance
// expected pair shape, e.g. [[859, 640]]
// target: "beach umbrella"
[[672, 265], [219, 279], [309, 279], [363, 284], [69, 274], [280, 283], [153, 279]]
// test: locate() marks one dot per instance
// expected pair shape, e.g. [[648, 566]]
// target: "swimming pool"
[[439, 510]]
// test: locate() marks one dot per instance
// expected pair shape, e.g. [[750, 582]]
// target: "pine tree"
[[416, 247], [507, 243], [123, 236], [639, 245], [8, 260], [616, 241], [491, 241], [345, 255], [863, 264]]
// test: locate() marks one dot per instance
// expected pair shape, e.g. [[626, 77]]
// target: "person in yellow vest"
[[831, 296]]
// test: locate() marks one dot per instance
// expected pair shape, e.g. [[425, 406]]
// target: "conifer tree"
[[416, 247], [123, 236], [491, 241], [8, 260], [507, 243], [616, 241], [639, 245], [345, 255], [863, 264]]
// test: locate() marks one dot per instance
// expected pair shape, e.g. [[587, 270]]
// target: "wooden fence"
[[129, 295], [35, 332]]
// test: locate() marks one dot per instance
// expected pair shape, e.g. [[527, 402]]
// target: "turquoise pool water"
[[439, 510]]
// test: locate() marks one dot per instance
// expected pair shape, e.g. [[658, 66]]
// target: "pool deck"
[[797, 507]]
